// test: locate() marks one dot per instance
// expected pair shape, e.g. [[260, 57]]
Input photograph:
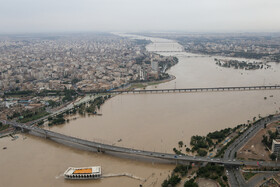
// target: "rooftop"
[[83, 170]]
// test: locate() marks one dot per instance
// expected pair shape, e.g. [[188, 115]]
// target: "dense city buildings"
[[87, 62], [46, 71], [54, 80]]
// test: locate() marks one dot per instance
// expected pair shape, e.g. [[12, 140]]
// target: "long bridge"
[[100, 147], [193, 90], [167, 51]]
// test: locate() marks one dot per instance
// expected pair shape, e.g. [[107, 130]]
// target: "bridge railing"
[[199, 89]]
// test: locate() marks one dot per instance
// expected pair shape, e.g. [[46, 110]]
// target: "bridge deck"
[[110, 148], [193, 90]]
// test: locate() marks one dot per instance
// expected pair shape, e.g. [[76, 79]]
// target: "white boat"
[[93, 172]]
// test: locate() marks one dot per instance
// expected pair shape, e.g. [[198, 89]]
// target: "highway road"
[[111, 148], [234, 174], [105, 147], [192, 90], [231, 164]]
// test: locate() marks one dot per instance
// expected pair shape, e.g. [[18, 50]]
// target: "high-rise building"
[[276, 147], [142, 74], [154, 65]]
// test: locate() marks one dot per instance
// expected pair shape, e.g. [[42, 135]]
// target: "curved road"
[[234, 174], [105, 147]]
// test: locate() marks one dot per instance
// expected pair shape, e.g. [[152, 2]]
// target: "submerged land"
[[24, 105]]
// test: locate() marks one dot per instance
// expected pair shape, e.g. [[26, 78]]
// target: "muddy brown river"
[[153, 122]]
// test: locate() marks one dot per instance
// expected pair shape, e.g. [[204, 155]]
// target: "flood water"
[[156, 122], [32, 161], [153, 122]]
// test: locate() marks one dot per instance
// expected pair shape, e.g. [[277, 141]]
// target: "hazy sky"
[[139, 15]]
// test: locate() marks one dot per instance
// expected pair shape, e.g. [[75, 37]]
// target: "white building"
[[154, 66], [276, 147], [142, 74]]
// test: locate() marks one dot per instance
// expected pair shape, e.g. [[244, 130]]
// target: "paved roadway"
[[234, 174], [105, 147], [66, 108], [232, 165], [231, 88], [111, 148]]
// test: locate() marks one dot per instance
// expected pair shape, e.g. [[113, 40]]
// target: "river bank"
[[143, 85], [131, 117], [154, 122]]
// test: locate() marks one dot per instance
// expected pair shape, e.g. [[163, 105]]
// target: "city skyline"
[[30, 16]]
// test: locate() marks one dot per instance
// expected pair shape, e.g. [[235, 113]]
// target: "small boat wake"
[[124, 174], [59, 176]]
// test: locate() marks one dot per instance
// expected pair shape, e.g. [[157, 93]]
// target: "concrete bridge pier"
[[99, 150], [45, 135], [21, 129]]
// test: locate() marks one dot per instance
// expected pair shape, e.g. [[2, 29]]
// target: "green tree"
[[180, 143], [182, 169], [171, 181], [174, 179], [40, 123], [201, 152], [273, 156], [190, 183], [225, 178]]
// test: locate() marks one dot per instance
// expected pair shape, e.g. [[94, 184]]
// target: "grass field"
[[248, 175], [34, 117]]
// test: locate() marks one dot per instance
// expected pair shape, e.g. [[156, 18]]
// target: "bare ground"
[[207, 183], [254, 149]]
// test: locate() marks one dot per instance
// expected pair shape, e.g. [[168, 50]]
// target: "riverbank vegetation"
[[190, 183], [237, 64], [92, 105], [201, 145], [210, 171], [177, 174], [29, 115], [214, 172], [89, 108], [220, 141], [3, 127], [57, 120], [144, 84]]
